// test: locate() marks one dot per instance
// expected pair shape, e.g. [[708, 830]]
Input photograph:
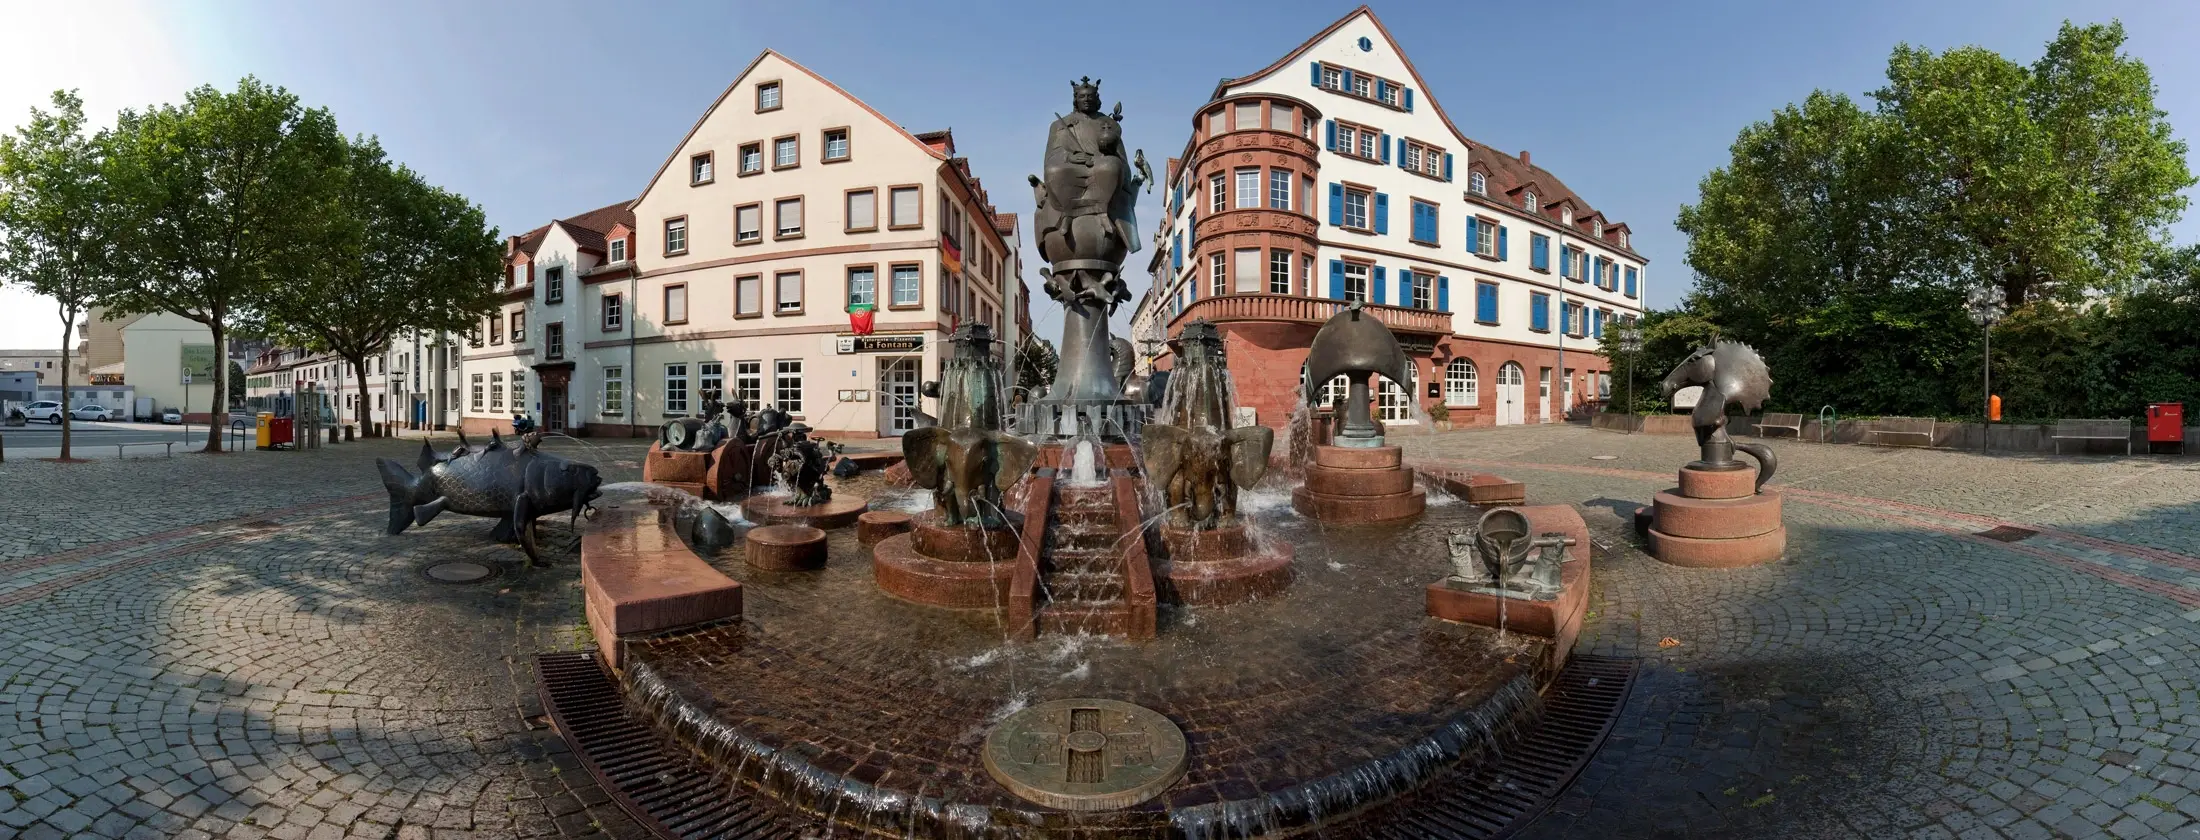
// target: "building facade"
[[45, 366], [1334, 176], [787, 205]]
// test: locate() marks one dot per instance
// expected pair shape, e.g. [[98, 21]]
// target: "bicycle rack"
[[237, 435], [1825, 429]]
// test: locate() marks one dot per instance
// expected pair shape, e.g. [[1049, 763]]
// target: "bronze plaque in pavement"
[[1085, 755]]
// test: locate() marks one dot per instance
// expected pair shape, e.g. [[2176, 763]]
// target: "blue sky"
[[544, 109]]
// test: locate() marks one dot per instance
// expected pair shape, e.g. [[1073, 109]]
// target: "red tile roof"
[[1005, 223]]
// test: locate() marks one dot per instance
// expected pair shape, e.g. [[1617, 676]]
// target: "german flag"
[[951, 257]]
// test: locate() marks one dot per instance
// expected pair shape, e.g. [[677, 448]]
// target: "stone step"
[[1077, 560], [1084, 536], [1086, 586], [1110, 619]]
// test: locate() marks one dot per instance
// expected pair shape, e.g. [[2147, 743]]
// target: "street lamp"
[[1630, 342], [1986, 306]]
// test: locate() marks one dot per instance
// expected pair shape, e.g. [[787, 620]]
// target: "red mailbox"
[[2166, 424]]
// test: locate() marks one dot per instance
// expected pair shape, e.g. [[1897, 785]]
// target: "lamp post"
[[1630, 342], [1985, 304]]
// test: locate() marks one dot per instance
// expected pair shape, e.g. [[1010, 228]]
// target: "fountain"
[[1519, 570], [718, 454], [1355, 478], [1199, 462], [1720, 516]]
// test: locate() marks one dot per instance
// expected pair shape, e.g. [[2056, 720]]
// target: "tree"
[[1036, 362], [236, 383], [57, 224], [395, 254], [223, 197], [1668, 336]]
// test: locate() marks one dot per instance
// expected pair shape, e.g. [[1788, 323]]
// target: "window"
[[1485, 303], [1214, 122], [1218, 197], [676, 236], [1574, 319], [1623, 239], [748, 384], [519, 392], [1218, 278], [1248, 187], [676, 303], [617, 250], [450, 398], [1279, 272], [1527, 201], [1565, 215], [519, 327], [1357, 141], [614, 313], [1478, 183], [1598, 228], [862, 210], [908, 285], [676, 389], [1424, 222], [767, 96], [1247, 117], [699, 169], [907, 209], [786, 152], [752, 158], [1543, 383], [863, 286], [1362, 84], [478, 390], [1419, 290], [1332, 78], [553, 285], [1355, 282], [836, 144], [787, 385], [1596, 324], [787, 297], [787, 213], [614, 390], [496, 392], [1630, 279], [1539, 312], [1461, 387], [1425, 159], [1485, 237], [1246, 270], [1279, 116], [709, 377], [1539, 252], [748, 296], [1355, 208], [1279, 189], [1394, 400], [1577, 265], [553, 340], [748, 224]]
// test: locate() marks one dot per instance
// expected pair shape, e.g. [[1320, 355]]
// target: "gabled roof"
[[736, 83], [1005, 223], [587, 229]]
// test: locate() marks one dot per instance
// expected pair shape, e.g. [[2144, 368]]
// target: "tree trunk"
[[68, 325], [220, 401], [364, 414]]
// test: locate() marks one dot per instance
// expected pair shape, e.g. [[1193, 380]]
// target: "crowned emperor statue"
[[1086, 226]]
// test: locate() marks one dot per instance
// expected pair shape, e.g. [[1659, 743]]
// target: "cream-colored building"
[[788, 202], [153, 350], [46, 365]]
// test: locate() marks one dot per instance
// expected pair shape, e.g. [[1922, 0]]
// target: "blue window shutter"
[[1566, 319], [1376, 283], [1565, 264], [1317, 66], [1598, 268], [1405, 287], [1447, 166], [1336, 279], [1385, 144], [1336, 204], [1630, 282], [1347, 78], [1501, 243], [1176, 252], [1539, 311], [1474, 229], [1443, 293], [1598, 321], [1539, 251], [1382, 213], [1380, 86], [1329, 130], [1409, 100]]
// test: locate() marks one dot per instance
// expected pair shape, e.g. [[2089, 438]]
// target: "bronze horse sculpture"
[[1730, 372]]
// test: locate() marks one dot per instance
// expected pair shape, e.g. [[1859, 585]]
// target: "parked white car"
[[90, 412], [46, 410], [171, 416]]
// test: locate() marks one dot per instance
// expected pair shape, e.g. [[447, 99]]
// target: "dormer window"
[[1527, 201], [617, 250], [1566, 215], [1599, 229], [1623, 239], [1478, 183]]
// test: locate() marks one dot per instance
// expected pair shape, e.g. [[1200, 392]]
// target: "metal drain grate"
[[666, 791], [1504, 797], [2007, 533]]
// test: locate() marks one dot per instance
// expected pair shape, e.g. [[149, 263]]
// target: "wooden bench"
[[171, 447], [2092, 430], [1921, 426], [1772, 420]]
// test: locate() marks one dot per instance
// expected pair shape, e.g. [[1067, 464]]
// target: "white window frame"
[[614, 391], [676, 389], [1332, 77], [1218, 190], [779, 215], [496, 392], [1279, 271], [780, 303], [785, 371], [1527, 201], [519, 392], [1279, 189], [754, 230], [1218, 274], [864, 293], [1366, 202], [748, 383], [786, 151], [1364, 277], [1247, 181], [915, 287], [775, 96], [676, 235], [752, 158], [1485, 237], [1478, 183], [710, 375], [480, 392], [700, 169], [847, 146], [1462, 384], [615, 250]]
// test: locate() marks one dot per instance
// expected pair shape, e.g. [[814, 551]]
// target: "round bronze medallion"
[[1085, 754]]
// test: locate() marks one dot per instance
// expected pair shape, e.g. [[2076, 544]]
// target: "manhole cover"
[[462, 571], [1604, 457], [1085, 755], [2007, 533]]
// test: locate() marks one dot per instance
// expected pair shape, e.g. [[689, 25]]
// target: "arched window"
[[1527, 201], [1461, 389], [1477, 183], [1394, 400]]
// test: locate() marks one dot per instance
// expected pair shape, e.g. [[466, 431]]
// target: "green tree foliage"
[[394, 254], [223, 197], [57, 224], [1668, 336], [1841, 241], [1036, 362]]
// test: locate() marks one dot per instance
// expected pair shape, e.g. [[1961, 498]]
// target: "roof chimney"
[[1524, 161]]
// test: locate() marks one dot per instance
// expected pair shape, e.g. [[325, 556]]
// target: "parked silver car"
[[171, 416], [91, 411]]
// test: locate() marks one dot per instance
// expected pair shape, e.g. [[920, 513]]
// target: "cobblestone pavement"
[[227, 646], [1894, 675]]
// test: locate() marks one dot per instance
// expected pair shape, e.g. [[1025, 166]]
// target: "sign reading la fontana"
[[882, 343]]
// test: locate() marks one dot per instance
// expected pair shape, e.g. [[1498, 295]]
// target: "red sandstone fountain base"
[[717, 475], [1717, 520], [1558, 620], [1222, 566], [947, 566], [638, 578], [876, 525], [1348, 486], [779, 510]]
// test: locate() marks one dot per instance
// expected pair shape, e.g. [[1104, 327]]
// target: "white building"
[[1333, 175]]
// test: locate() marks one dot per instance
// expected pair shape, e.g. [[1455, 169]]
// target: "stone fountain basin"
[[836, 698]]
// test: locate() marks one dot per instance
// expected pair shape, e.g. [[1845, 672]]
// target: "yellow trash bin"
[[266, 429]]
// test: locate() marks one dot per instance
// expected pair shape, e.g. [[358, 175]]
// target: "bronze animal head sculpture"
[[1192, 454], [1355, 345], [1731, 373], [967, 460]]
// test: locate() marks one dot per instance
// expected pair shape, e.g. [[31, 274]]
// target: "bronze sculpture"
[[1494, 558], [515, 484], [800, 464], [966, 460], [1354, 344], [1730, 372], [1191, 451]]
